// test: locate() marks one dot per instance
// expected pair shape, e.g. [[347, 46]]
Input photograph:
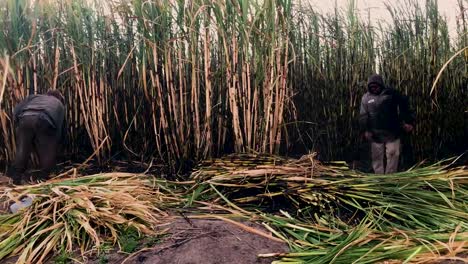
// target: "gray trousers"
[[389, 151]]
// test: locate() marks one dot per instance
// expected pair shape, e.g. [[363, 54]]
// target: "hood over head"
[[375, 79]]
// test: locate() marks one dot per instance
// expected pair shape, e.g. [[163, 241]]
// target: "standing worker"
[[384, 112], [39, 126]]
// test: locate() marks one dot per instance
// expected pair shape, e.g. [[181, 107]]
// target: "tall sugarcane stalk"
[[190, 80]]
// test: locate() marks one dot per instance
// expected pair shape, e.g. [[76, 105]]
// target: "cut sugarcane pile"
[[416, 216], [335, 242], [432, 197], [79, 213]]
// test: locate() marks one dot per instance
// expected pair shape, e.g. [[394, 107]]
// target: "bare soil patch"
[[204, 241]]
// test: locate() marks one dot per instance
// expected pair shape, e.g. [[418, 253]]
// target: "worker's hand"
[[368, 135], [408, 128]]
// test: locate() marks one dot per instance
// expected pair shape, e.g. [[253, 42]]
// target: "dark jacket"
[[384, 114], [46, 106]]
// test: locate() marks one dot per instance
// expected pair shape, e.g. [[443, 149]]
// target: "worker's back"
[[47, 104]]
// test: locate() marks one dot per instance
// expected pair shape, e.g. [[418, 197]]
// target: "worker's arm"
[[406, 114], [364, 115], [364, 118]]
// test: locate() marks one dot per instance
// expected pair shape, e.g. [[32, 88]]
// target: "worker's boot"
[[15, 175], [43, 175]]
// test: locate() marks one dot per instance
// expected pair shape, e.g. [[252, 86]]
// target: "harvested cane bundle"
[[431, 197], [266, 180], [364, 243], [254, 168], [78, 213]]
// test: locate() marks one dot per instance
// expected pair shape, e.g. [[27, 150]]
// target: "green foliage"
[[63, 257], [129, 240]]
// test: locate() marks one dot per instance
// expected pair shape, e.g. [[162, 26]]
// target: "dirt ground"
[[203, 241]]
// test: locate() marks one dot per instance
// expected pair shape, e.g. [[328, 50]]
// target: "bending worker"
[[39, 127]]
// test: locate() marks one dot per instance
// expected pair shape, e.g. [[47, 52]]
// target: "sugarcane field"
[[234, 131]]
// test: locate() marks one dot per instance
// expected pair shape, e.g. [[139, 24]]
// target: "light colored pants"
[[392, 154]]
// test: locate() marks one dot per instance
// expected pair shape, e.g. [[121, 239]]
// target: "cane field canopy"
[[186, 80]]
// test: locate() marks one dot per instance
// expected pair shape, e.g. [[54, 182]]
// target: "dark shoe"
[[42, 176], [14, 175], [16, 180]]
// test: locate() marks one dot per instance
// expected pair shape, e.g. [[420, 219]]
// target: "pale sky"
[[447, 8]]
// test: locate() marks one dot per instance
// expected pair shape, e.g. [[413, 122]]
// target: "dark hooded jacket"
[[383, 114], [48, 107]]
